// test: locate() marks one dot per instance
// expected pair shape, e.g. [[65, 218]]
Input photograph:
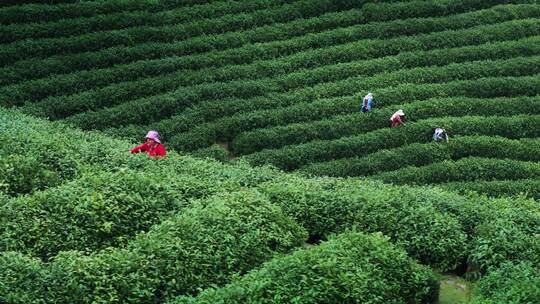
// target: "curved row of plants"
[[162, 105], [42, 48], [126, 19], [245, 54], [230, 127], [354, 123], [499, 188], [71, 83], [421, 154], [294, 157], [465, 169]]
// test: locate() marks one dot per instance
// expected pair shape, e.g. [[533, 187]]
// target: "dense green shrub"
[[512, 283], [28, 163], [350, 268], [422, 154], [97, 211], [21, 279], [23, 174], [509, 232], [523, 187], [205, 246], [465, 169], [294, 157], [326, 206]]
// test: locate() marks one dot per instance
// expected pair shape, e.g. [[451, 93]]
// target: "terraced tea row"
[[466, 169], [162, 106], [294, 157], [421, 154], [42, 48], [111, 20], [353, 123], [71, 63]]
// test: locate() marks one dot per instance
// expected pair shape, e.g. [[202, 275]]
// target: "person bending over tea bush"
[[440, 134], [367, 103], [397, 118]]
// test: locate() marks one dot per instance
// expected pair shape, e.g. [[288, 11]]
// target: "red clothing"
[[395, 121], [156, 151]]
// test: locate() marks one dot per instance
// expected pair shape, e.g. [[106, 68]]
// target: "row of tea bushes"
[[207, 245], [525, 187], [421, 154], [67, 83], [349, 268], [294, 157], [125, 19], [465, 169]]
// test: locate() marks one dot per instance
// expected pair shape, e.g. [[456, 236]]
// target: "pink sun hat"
[[154, 135]]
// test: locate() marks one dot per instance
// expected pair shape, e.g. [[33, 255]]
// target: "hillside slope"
[[269, 79], [84, 219]]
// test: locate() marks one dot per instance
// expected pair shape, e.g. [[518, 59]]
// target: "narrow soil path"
[[225, 146], [454, 290]]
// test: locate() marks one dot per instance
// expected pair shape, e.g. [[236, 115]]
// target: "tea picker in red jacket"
[[152, 145]]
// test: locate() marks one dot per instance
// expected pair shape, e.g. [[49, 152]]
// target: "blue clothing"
[[366, 106], [370, 103]]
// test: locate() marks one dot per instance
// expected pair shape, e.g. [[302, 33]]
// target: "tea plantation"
[[275, 188]]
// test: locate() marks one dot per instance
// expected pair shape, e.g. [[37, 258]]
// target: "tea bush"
[[511, 283], [325, 206], [423, 154], [525, 187], [94, 212], [465, 169], [330, 272]]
